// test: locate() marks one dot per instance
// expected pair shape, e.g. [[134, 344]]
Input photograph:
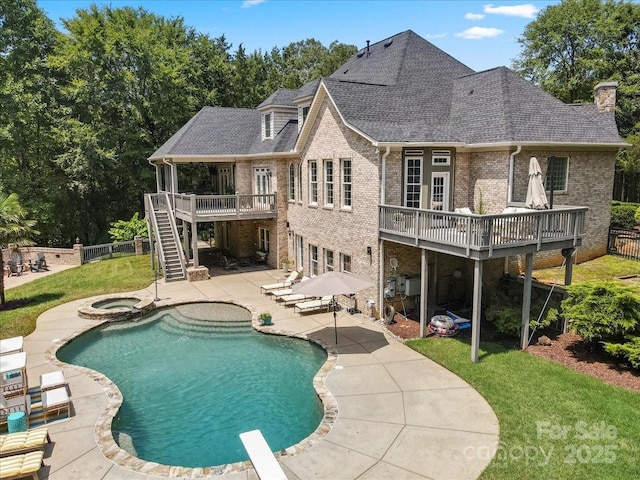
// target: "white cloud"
[[527, 10], [478, 33], [474, 16], [436, 35], [251, 3]]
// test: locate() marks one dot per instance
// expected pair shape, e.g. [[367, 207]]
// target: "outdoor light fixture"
[[368, 250]]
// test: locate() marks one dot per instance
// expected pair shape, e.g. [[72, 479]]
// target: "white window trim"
[[406, 177], [445, 194], [327, 266], [292, 182], [441, 154], [343, 183], [566, 159], [267, 119], [313, 183], [264, 239], [313, 262], [332, 183], [342, 256]]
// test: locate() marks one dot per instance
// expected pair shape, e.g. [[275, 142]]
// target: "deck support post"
[[185, 240], [194, 239], [526, 301], [477, 305], [424, 290], [381, 276]]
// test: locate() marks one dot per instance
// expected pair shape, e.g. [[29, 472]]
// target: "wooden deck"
[[483, 236]]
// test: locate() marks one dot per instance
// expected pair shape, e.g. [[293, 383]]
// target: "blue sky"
[[481, 34]]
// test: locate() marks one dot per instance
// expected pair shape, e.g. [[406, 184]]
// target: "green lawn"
[[607, 267], [555, 423], [107, 276]]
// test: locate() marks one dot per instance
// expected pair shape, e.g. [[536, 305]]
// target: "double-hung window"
[[313, 182], [328, 260], [413, 182], [263, 239], [557, 175], [267, 125], [313, 259], [345, 263], [346, 183], [292, 182], [328, 183]]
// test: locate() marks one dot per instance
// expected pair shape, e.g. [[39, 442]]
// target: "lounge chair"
[[309, 306], [23, 442], [280, 285], [294, 298], [278, 294], [11, 345], [49, 381], [20, 466], [14, 404], [55, 400]]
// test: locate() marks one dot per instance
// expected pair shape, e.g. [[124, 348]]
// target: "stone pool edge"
[[112, 451]]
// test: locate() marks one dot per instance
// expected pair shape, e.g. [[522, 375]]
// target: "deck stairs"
[[168, 244]]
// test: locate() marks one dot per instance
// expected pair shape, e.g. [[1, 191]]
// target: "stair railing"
[[153, 203]]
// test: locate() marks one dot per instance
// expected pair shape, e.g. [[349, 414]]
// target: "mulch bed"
[[567, 349]]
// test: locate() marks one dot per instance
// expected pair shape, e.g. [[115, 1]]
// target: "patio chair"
[[13, 405], [228, 264], [11, 345], [14, 268], [20, 466], [312, 305], [288, 300], [280, 285], [14, 385], [49, 381], [55, 400], [23, 442], [40, 265]]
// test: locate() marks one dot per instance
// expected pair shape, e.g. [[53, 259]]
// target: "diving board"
[[264, 462]]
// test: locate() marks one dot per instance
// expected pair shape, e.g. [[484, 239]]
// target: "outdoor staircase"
[[171, 248]]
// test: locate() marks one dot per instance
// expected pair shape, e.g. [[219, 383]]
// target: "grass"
[[544, 410], [26, 302], [602, 268]]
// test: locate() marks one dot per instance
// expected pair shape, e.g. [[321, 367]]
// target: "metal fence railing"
[[624, 243], [112, 250]]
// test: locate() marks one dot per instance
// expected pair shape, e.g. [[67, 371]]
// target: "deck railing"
[[482, 232], [211, 205]]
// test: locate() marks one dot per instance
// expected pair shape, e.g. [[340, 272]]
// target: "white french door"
[[299, 243], [262, 184]]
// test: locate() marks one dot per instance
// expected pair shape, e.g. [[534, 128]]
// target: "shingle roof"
[[404, 89], [226, 131]]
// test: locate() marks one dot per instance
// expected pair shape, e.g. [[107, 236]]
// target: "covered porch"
[[479, 238]]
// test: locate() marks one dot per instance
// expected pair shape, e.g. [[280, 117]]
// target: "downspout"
[[383, 186], [383, 192], [511, 172]]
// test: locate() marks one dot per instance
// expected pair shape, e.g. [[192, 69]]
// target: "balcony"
[[211, 208], [481, 237]]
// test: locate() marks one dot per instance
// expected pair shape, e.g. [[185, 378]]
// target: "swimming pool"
[[195, 376]]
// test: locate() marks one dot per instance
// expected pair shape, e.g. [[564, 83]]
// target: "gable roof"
[[281, 97]]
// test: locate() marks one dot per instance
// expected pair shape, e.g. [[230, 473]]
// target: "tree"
[[126, 230], [15, 229], [574, 45]]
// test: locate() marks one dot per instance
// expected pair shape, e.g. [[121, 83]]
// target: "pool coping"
[[102, 429]]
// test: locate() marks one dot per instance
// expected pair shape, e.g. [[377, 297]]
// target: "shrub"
[[628, 351], [123, 230], [637, 216], [507, 318], [623, 216], [602, 311]]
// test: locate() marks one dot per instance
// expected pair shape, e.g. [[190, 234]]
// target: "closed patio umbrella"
[[536, 196], [332, 283]]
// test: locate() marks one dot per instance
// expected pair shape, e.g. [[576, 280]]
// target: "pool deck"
[[400, 415]]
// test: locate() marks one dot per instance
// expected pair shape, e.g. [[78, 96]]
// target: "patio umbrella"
[[536, 196], [332, 283]]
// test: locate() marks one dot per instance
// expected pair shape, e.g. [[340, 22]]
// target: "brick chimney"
[[605, 96]]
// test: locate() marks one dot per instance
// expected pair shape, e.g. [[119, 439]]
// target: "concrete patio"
[[400, 415]]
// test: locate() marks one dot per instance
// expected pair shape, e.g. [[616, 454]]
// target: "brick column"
[[77, 253], [138, 245]]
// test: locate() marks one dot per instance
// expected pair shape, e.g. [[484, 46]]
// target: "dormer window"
[[267, 125], [305, 113]]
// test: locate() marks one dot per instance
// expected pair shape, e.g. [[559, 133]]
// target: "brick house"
[[376, 170]]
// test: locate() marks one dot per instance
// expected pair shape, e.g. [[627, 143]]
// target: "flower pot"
[[266, 320]]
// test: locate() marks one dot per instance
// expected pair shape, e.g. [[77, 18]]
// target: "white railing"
[[160, 201], [479, 232], [208, 205]]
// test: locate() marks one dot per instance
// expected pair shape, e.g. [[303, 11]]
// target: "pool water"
[[112, 303], [195, 376]]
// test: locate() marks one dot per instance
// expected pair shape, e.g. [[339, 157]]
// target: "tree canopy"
[[576, 44], [84, 108]]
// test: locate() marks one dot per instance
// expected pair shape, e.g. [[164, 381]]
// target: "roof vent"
[[388, 43], [368, 53], [360, 54], [345, 71]]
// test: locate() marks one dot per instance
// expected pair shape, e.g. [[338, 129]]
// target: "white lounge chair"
[[278, 294], [280, 285], [55, 400], [294, 298], [309, 306], [11, 345]]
